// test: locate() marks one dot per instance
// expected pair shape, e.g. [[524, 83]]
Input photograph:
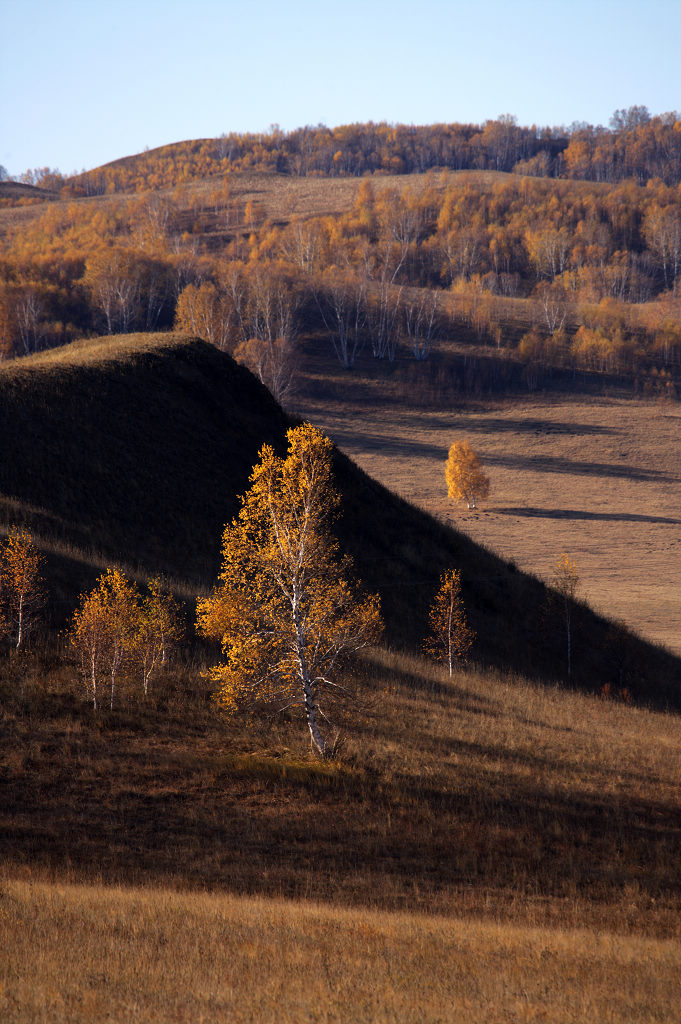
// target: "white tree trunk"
[[310, 706]]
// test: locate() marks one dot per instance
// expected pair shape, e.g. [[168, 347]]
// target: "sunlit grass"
[[71, 953]]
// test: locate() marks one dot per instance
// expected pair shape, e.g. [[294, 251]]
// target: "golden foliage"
[[114, 628], [285, 611], [566, 577], [157, 630], [23, 594], [466, 479], [104, 629], [450, 638]]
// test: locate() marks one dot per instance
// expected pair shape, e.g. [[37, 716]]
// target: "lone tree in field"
[[466, 479], [450, 637], [23, 594], [285, 611], [565, 582]]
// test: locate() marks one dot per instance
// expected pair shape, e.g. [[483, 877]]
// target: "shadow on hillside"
[[397, 841], [366, 441], [571, 513]]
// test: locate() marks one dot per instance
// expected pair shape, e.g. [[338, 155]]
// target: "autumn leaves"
[[22, 594], [116, 630], [286, 611]]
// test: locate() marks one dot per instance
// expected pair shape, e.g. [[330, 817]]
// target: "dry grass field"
[[485, 850], [99, 954], [597, 477]]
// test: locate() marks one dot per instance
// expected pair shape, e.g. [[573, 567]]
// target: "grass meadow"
[[84, 954], [595, 475], [484, 849]]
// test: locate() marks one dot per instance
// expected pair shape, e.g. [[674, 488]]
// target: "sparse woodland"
[[543, 255]]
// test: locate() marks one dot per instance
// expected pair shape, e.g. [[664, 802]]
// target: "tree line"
[[635, 145]]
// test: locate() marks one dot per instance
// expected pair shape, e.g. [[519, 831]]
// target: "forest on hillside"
[[571, 263], [635, 145]]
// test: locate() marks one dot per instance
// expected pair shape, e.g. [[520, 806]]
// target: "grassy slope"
[[476, 796], [483, 797], [134, 450]]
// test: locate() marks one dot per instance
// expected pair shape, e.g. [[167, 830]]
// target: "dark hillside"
[[134, 449]]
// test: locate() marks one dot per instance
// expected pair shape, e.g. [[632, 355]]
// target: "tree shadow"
[[532, 512], [527, 425], [557, 464]]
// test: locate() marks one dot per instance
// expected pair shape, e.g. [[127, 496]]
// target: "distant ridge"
[[16, 190], [135, 448]]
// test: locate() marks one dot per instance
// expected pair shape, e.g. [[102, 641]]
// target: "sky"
[[83, 83]]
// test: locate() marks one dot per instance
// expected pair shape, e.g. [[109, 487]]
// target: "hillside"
[[522, 281], [134, 450], [486, 843]]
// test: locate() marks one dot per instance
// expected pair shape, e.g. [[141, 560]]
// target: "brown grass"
[[594, 476], [72, 953], [276, 197], [484, 850], [481, 796]]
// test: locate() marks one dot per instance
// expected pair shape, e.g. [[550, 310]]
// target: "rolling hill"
[[491, 841], [134, 449]]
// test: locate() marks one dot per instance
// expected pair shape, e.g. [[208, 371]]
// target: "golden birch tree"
[[89, 637], [23, 591], [104, 630], [157, 631], [450, 637], [466, 479], [565, 582], [285, 610]]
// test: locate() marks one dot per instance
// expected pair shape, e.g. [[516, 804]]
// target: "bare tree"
[[342, 303], [420, 315]]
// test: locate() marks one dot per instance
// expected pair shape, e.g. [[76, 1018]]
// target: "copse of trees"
[[635, 145], [114, 629]]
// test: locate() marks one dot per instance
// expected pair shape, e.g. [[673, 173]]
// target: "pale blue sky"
[[82, 83]]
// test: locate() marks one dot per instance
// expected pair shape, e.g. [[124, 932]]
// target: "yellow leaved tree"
[[565, 581], [450, 637], [104, 630], [466, 479], [285, 610], [158, 629], [22, 590]]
